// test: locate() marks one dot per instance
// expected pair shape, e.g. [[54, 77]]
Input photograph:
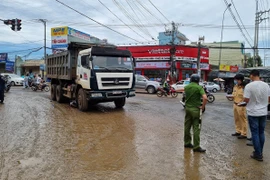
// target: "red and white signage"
[[234, 68], [183, 53], [154, 65]]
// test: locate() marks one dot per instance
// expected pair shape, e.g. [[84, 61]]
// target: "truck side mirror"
[[134, 61]]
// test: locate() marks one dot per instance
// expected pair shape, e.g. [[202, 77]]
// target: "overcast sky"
[[192, 16]]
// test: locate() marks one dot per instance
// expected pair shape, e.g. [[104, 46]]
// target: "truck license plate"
[[117, 92]]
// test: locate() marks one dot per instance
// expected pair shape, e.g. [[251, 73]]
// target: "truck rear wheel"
[[53, 92], [59, 94], [119, 103], [82, 100]]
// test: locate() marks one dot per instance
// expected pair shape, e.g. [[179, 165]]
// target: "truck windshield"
[[108, 62]]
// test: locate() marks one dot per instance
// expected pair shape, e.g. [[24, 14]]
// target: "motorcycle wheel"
[[210, 98], [47, 89], [159, 94], [174, 94], [34, 88]]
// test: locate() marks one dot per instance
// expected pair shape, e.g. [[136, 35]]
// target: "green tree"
[[250, 62]]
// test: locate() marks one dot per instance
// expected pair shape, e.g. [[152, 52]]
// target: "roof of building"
[[37, 62]]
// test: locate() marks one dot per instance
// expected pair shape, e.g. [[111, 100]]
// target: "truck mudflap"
[[110, 95]]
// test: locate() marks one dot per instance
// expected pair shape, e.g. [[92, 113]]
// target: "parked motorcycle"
[[229, 94], [210, 97], [7, 85], [161, 92], [36, 87]]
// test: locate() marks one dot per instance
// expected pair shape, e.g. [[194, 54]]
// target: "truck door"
[[83, 71]]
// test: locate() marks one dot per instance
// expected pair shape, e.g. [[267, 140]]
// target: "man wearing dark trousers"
[[194, 92], [2, 89], [256, 96]]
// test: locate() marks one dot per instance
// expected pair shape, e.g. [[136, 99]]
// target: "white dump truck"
[[90, 74]]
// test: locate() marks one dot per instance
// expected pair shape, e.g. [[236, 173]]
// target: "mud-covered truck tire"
[[82, 100], [59, 94], [53, 92], [119, 103]]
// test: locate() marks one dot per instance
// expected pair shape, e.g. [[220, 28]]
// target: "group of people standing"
[[250, 107]]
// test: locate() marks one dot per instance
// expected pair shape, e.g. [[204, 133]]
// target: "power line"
[[241, 20], [96, 21], [22, 50], [129, 16], [237, 23], [147, 10], [159, 11], [97, 10], [121, 20]]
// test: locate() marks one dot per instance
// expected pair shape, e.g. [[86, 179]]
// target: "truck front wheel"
[[82, 100], [53, 92], [119, 103]]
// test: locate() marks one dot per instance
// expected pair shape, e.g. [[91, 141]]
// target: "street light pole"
[[221, 36]]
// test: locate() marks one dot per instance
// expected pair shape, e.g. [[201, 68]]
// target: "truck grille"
[[121, 81]]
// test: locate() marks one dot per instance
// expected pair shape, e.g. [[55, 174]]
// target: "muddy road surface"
[[41, 139]]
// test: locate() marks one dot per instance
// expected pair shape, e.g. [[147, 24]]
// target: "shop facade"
[[154, 61]]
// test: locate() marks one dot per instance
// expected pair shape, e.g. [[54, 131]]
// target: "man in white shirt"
[[256, 96], [38, 79]]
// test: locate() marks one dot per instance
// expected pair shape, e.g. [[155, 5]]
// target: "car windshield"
[[108, 62], [146, 78]]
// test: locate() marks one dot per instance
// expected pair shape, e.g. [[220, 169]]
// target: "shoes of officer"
[[188, 146], [199, 149], [236, 134], [242, 137]]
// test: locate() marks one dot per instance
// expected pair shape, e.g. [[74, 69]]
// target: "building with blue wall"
[[165, 38]]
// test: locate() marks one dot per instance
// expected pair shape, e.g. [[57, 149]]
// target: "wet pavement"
[[41, 139]]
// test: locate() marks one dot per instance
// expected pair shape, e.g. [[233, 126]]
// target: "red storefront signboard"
[[234, 68], [183, 53]]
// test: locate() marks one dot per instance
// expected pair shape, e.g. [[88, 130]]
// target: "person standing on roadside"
[[26, 78], [193, 105], [240, 118], [2, 89], [257, 97]]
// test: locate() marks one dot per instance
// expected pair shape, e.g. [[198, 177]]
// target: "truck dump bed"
[[62, 65]]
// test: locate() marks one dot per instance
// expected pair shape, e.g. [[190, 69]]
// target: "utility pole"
[[199, 56], [45, 54], [258, 20], [172, 52]]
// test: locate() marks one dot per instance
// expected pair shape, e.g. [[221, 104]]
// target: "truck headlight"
[[132, 93], [96, 95]]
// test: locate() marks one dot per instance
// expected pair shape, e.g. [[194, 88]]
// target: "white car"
[[14, 79], [179, 86], [211, 86]]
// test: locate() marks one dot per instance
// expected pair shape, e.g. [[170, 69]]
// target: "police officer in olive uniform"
[[2, 89], [194, 92]]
